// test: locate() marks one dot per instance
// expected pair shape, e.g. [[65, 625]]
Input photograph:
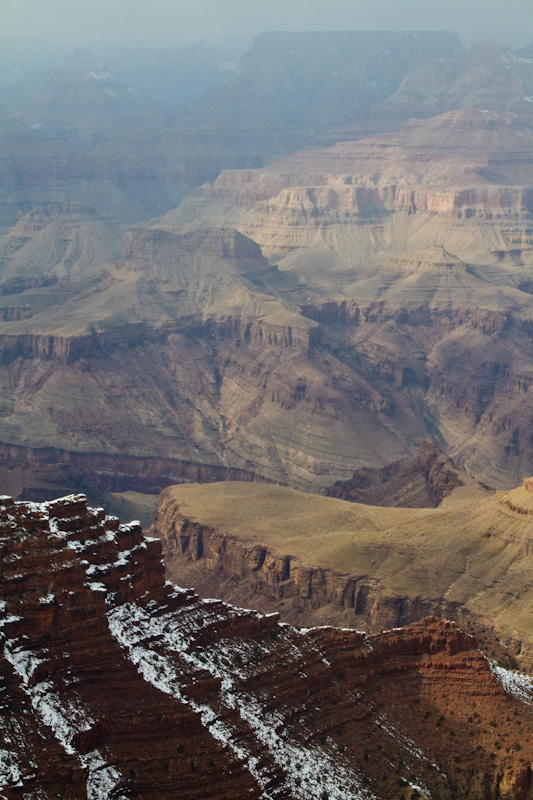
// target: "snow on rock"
[[10, 774], [310, 772], [514, 683]]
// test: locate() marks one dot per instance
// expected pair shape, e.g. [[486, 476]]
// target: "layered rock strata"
[[489, 77], [322, 560], [116, 684], [420, 482]]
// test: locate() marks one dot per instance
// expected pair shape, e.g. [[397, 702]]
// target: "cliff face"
[[321, 560], [115, 683]]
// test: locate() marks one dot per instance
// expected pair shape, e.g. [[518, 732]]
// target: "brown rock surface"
[[420, 482], [322, 560], [115, 684], [296, 322]]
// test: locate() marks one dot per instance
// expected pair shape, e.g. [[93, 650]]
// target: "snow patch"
[[10, 774], [102, 778], [96, 586], [23, 661], [514, 683]]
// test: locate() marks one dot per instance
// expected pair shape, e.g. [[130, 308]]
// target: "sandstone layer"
[[114, 683], [322, 560]]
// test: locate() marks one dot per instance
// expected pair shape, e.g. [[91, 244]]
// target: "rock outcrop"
[[420, 482], [322, 560], [114, 683]]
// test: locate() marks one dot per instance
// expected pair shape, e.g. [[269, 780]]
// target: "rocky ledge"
[[115, 684], [321, 560]]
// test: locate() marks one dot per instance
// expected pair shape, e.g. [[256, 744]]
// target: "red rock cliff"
[[116, 684]]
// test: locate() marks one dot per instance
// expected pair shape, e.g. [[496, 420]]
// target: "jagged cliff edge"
[[115, 684]]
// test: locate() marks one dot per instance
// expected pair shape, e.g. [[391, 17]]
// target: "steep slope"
[[186, 357], [420, 482], [323, 560], [115, 684], [58, 243]]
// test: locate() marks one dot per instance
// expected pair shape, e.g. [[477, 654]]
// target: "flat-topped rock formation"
[[322, 560], [114, 683]]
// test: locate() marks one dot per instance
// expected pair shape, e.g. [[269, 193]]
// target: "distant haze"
[[167, 22]]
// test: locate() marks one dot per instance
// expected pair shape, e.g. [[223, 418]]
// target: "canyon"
[[292, 298], [115, 683], [320, 313]]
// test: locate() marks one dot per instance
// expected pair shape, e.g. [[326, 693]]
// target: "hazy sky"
[[182, 21]]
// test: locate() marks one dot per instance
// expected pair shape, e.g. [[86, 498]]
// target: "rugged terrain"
[[412, 252], [323, 560], [420, 482], [116, 684], [79, 133], [292, 323]]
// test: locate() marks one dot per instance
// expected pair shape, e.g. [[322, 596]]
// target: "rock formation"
[[412, 251], [489, 77], [116, 684], [83, 135], [322, 560], [298, 322], [292, 86], [420, 482]]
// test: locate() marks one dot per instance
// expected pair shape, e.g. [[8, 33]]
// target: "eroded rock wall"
[[114, 682]]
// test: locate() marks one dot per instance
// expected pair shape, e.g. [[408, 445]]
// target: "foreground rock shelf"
[[116, 684]]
